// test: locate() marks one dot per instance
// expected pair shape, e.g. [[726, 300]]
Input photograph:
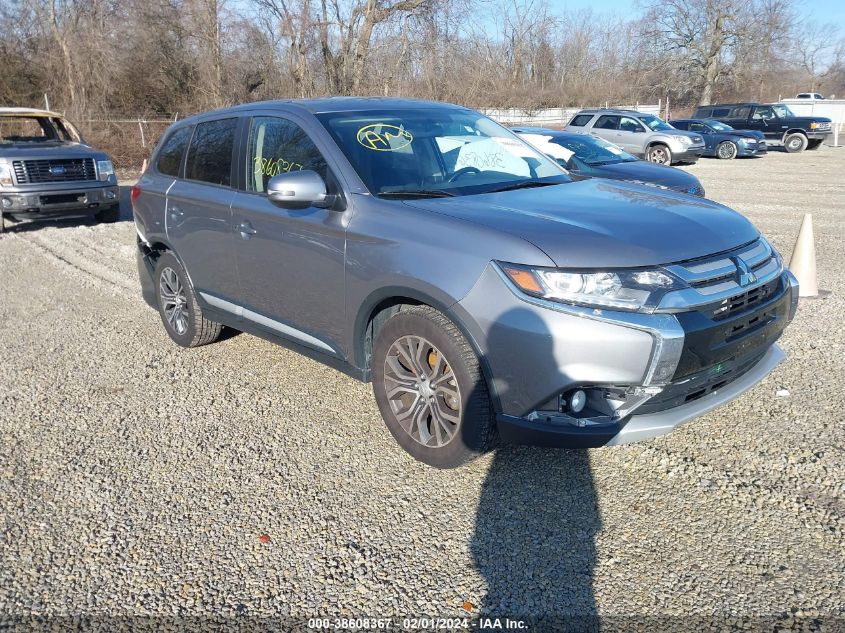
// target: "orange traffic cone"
[[803, 262]]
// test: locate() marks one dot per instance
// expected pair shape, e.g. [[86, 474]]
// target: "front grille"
[[730, 273], [710, 341], [823, 127], [743, 301], [54, 170]]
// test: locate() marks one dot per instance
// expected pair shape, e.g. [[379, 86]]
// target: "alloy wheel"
[[422, 391], [174, 301], [658, 155], [727, 150]]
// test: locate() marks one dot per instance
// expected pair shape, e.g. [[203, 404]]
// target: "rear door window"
[[740, 112], [580, 120], [279, 146], [210, 153], [607, 122], [170, 157]]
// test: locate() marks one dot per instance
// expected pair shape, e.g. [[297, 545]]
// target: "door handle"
[[246, 230]]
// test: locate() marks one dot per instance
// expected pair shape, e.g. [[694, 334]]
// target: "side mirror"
[[299, 190]]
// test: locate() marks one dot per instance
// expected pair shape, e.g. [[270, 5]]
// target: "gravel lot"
[[137, 478]]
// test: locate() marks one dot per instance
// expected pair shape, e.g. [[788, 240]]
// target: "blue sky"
[[819, 10]]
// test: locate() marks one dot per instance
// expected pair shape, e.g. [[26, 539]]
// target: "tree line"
[[159, 57]]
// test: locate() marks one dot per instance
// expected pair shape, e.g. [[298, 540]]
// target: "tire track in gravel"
[[81, 260]]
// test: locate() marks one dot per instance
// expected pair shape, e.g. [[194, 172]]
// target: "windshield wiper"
[[525, 184], [419, 193]]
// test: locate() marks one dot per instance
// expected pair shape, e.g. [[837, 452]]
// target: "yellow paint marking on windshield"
[[381, 137]]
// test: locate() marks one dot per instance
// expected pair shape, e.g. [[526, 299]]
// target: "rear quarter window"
[[580, 120], [170, 157], [210, 153]]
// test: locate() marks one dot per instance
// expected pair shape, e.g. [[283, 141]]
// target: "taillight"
[[133, 195]]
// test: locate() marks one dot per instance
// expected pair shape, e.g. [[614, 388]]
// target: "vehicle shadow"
[[84, 218], [536, 523]]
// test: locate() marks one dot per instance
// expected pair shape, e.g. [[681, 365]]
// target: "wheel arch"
[[383, 303], [796, 130]]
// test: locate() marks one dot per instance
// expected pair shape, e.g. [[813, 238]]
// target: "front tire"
[[795, 143], [660, 154], [177, 304], [726, 150], [429, 388]]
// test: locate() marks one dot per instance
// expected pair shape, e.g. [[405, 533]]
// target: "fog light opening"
[[572, 401]]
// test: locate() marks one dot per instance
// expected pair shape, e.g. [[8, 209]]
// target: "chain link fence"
[[130, 141]]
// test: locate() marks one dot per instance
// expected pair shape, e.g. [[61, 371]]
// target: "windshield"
[[719, 126], [654, 123], [595, 151], [436, 151], [34, 129], [782, 111]]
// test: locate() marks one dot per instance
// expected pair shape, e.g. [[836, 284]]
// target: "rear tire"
[[177, 304], [726, 150], [109, 214], [429, 387], [660, 154], [795, 143]]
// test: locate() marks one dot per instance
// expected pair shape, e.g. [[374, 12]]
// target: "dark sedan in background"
[[590, 156], [723, 141]]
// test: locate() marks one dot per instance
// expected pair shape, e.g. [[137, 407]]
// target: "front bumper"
[[752, 149], [819, 135], [51, 201], [688, 154], [636, 428], [644, 373]]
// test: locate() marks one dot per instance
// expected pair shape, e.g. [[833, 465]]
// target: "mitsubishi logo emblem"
[[744, 276]]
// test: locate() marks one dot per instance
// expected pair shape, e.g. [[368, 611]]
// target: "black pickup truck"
[[776, 121]]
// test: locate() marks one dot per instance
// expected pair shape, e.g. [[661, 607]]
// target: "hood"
[[48, 150], [597, 223], [695, 136], [647, 172], [801, 120], [745, 133]]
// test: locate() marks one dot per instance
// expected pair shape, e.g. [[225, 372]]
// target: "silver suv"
[[643, 135], [48, 170], [481, 289]]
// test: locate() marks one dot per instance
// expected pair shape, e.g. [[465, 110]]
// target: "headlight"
[[631, 290], [5, 176], [105, 169], [814, 125], [685, 140]]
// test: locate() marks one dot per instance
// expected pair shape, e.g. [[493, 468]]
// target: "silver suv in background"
[[482, 290], [643, 135], [48, 170]]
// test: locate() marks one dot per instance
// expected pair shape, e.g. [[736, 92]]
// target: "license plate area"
[[64, 198]]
